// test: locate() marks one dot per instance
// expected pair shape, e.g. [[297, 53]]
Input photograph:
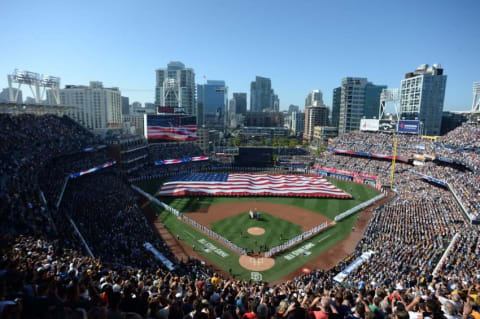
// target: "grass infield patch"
[[277, 231]]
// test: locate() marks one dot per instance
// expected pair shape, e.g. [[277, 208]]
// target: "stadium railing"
[[358, 207], [445, 255]]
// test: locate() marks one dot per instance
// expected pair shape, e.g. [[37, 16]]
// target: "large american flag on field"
[[224, 184], [171, 127]]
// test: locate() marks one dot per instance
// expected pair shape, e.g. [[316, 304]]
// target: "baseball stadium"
[[143, 226]]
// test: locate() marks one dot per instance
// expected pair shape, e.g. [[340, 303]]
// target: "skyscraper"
[[314, 98], [316, 113], [212, 99], [298, 122], [314, 116], [240, 103], [262, 96], [276, 103], [372, 100], [337, 93], [125, 105], [355, 93], [175, 87], [293, 108], [422, 95], [96, 107]]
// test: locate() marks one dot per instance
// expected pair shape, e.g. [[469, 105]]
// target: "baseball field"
[[280, 219]]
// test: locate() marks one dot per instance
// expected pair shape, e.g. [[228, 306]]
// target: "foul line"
[[322, 239]]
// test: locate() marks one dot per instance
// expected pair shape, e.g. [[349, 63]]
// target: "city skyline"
[[97, 47]]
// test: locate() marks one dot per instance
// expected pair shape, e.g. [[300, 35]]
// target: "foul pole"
[[392, 173]]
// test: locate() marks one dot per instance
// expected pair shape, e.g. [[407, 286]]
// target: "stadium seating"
[[45, 270]]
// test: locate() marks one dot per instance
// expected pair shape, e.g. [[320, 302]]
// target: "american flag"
[[171, 127], [224, 184]]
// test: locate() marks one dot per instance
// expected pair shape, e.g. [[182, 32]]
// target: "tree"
[[292, 143]]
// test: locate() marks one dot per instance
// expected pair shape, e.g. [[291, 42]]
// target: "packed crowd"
[[27, 143], [165, 151], [381, 143], [462, 144], [87, 200], [53, 174], [46, 274]]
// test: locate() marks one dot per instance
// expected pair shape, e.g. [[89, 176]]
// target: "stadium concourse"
[[424, 251]]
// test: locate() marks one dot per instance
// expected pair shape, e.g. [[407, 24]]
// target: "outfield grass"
[[235, 229], [285, 262]]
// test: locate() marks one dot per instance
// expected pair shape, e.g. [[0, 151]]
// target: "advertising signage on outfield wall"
[[408, 126], [369, 125]]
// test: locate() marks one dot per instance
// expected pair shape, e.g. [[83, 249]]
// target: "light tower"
[[476, 97], [389, 95], [35, 82]]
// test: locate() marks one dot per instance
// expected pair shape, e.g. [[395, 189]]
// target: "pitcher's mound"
[[256, 231], [256, 264]]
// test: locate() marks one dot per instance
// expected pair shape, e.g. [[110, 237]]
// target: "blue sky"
[[300, 45]]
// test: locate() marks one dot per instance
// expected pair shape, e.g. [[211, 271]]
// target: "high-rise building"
[[262, 96], [5, 95], [212, 99], [316, 113], [175, 87], [276, 103], [314, 116], [422, 94], [96, 107], [314, 98], [298, 122], [125, 105], [355, 93], [240, 103], [337, 93], [372, 100], [293, 108]]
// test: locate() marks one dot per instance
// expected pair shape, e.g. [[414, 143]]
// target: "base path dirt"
[[296, 215], [256, 231], [256, 263]]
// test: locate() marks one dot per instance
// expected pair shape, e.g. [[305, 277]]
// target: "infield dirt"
[[296, 215]]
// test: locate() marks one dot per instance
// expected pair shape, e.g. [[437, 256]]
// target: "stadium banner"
[[182, 160], [340, 151], [340, 277], [171, 127], [341, 176], [321, 170], [366, 154], [93, 169], [430, 178], [405, 126], [445, 159], [372, 125], [363, 154], [368, 176]]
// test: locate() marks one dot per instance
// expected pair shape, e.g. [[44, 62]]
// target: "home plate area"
[[256, 263]]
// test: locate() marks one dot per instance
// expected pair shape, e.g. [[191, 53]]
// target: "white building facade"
[[95, 107], [175, 87]]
